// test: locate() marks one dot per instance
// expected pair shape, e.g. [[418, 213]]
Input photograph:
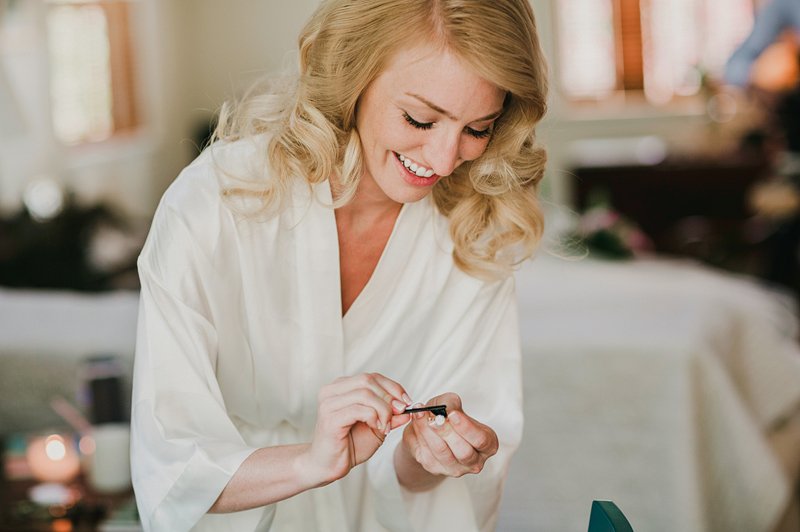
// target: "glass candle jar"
[[53, 458]]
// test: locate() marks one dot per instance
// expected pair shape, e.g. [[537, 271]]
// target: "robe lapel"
[[319, 346], [379, 290]]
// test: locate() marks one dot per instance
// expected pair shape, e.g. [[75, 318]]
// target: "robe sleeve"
[[479, 360], [184, 446]]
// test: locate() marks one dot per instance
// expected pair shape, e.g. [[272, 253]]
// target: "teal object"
[[607, 517]]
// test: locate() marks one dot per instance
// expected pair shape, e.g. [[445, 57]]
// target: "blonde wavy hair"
[[491, 202]]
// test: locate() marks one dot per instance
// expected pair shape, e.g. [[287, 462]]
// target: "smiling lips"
[[414, 168]]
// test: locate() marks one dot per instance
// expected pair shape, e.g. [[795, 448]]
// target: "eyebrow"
[[448, 114]]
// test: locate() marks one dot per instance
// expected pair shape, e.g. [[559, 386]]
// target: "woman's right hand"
[[354, 415]]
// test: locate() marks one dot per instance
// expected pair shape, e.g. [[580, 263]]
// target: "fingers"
[[397, 391], [425, 457], [420, 451], [381, 416], [398, 420], [463, 452], [457, 446], [482, 438], [384, 388], [446, 444], [451, 400], [353, 413], [436, 445]]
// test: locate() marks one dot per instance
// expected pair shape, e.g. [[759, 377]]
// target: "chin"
[[409, 196]]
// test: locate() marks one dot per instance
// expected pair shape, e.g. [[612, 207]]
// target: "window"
[[658, 47], [92, 77]]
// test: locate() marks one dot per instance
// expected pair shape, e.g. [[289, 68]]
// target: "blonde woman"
[[344, 250]]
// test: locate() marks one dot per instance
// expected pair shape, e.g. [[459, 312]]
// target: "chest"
[[360, 251]]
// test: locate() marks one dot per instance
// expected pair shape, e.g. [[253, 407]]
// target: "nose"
[[443, 151]]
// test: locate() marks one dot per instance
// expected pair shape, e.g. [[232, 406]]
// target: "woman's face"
[[422, 117]]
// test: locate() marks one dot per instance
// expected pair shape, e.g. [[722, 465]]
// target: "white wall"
[[191, 56], [31, 150], [196, 53], [117, 170], [213, 51]]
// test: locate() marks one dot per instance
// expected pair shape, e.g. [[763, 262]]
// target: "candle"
[[110, 466], [53, 458]]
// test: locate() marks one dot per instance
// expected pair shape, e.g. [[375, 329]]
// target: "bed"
[[665, 386]]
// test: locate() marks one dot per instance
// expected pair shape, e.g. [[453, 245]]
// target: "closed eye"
[[477, 133], [417, 124]]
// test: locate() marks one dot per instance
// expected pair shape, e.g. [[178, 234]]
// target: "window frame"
[[630, 86], [127, 118]]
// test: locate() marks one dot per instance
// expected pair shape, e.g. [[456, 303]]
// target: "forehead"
[[440, 77]]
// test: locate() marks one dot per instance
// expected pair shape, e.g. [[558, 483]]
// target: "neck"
[[369, 204]]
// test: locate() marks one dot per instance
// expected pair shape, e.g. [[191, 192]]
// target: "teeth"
[[420, 171]]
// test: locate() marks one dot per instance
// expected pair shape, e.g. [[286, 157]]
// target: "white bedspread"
[[651, 383]]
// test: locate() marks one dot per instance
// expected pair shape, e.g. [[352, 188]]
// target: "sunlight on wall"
[[685, 39], [80, 67], [586, 41], [672, 44]]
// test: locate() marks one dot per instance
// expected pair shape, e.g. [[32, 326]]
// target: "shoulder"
[[495, 290], [192, 210], [435, 226], [221, 166], [433, 246]]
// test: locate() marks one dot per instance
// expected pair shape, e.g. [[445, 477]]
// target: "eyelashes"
[[415, 123], [478, 134]]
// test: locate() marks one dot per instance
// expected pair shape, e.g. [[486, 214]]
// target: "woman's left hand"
[[456, 447]]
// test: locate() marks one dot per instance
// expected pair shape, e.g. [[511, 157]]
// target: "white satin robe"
[[240, 325]]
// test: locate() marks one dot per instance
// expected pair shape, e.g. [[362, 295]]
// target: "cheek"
[[401, 138], [473, 148]]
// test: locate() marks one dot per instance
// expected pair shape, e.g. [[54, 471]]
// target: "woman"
[[346, 246]]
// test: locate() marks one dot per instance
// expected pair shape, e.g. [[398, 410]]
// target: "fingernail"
[[388, 428], [399, 406], [380, 426], [438, 421], [454, 417], [407, 399]]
